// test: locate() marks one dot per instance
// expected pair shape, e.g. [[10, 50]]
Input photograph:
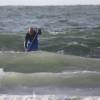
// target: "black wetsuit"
[[28, 37], [33, 39]]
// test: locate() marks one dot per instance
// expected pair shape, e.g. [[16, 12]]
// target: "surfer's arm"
[[39, 31], [25, 42]]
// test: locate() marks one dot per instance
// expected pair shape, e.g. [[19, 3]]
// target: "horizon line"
[[54, 5]]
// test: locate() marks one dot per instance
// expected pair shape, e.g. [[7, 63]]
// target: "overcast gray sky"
[[48, 2]]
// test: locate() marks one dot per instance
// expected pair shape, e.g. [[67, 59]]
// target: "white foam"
[[50, 73], [46, 97]]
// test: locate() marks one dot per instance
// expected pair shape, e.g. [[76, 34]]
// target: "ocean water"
[[67, 65]]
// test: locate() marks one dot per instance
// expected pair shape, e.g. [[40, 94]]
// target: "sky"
[[49, 2]]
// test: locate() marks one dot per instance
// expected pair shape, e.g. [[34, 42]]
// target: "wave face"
[[84, 83], [45, 62], [51, 73], [23, 72], [79, 79]]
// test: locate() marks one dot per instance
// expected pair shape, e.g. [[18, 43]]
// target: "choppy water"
[[75, 28], [53, 19], [63, 68]]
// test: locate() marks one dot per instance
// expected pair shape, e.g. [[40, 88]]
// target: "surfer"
[[31, 39]]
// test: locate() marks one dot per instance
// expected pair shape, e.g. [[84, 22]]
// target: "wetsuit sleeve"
[[39, 31], [26, 40]]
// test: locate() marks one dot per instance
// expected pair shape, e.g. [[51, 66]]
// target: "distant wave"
[[60, 19]]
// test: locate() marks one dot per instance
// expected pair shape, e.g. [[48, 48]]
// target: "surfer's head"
[[30, 30]]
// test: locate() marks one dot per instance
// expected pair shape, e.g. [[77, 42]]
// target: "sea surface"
[[67, 64]]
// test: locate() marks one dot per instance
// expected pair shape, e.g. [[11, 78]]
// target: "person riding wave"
[[31, 39]]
